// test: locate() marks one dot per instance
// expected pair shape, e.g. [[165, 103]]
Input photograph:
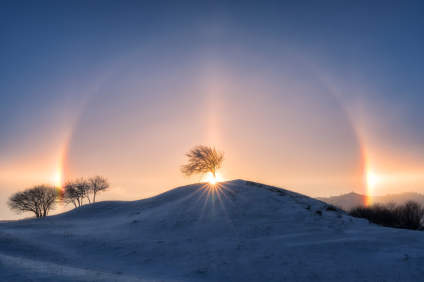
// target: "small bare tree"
[[203, 159], [76, 191], [39, 200], [98, 184], [70, 194]]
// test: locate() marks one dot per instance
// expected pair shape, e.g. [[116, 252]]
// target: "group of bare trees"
[[409, 215], [41, 199], [201, 159], [76, 191]]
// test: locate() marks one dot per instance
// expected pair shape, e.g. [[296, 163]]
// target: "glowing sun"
[[372, 179], [211, 179]]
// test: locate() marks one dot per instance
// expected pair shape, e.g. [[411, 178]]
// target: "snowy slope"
[[244, 232]]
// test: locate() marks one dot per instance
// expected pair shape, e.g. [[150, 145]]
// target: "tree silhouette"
[[203, 159], [97, 184], [76, 191], [39, 200], [79, 189]]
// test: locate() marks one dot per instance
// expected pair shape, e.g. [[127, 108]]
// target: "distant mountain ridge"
[[350, 200]]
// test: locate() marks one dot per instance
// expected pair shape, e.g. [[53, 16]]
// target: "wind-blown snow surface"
[[246, 232]]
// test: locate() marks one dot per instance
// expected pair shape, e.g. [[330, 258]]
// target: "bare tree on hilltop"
[[98, 184], [203, 159], [39, 200], [78, 190]]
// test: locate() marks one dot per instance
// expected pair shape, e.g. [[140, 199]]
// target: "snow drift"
[[240, 231]]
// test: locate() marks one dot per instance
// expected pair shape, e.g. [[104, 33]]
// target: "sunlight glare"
[[211, 179], [57, 179], [372, 179]]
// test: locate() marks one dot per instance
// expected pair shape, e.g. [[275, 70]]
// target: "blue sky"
[[289, 85]]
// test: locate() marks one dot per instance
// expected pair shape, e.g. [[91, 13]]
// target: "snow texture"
[[241, 231]]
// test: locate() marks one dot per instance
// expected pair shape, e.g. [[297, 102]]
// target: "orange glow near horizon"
[[372, 180], [211, 179], [58, 178], [369, 177], [380, 176]]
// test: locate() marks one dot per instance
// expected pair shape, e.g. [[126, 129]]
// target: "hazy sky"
[[311, 96]]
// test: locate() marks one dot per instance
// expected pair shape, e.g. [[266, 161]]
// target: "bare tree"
[[203, 159], [39, 200], [76, 191], [98, 184], [70, 194], [410, 215]]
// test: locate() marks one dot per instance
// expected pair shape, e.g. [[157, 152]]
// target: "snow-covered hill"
[[243, 231]]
